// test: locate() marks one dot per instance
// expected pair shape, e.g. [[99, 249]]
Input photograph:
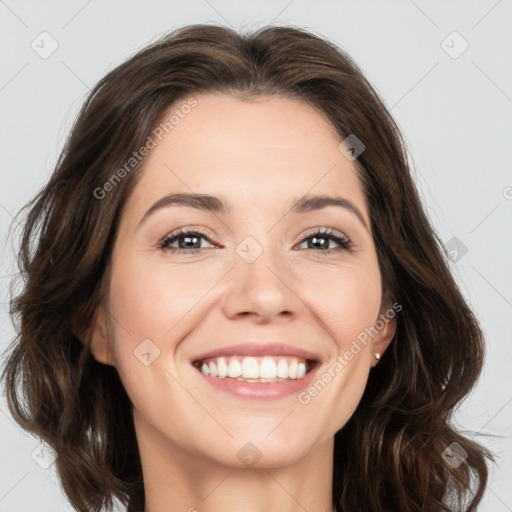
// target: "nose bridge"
[[260, 281]]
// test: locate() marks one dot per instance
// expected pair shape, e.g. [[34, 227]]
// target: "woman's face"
[[254, 276]]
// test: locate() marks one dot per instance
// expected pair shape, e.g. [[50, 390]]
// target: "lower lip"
[[260, 390]]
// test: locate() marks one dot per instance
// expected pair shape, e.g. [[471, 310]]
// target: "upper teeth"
[[255, 368]]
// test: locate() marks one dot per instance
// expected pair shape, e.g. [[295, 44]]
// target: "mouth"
[[270, 368], [258, 371]]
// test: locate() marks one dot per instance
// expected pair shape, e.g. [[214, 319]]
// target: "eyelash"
[[343, 241]]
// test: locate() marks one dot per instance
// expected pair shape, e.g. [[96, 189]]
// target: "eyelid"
[[324, 230]]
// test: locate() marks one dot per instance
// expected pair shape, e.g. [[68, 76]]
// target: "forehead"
[[252, 152]]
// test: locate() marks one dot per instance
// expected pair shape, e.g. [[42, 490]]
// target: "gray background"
[[455, 114]]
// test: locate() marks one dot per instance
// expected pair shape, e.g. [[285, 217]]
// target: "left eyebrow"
[[308, 203], [220, 205]]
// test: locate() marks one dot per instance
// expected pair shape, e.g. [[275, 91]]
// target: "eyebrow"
[[219, 205]]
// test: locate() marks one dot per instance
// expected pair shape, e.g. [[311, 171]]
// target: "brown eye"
[[189, 241], [320, 239]]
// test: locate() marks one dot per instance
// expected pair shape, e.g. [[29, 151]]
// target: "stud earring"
[[376, 355]]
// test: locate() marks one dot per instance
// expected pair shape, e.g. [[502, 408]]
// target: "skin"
[[261, 156]]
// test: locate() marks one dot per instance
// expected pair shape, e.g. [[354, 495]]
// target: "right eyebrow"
[[199, 201]]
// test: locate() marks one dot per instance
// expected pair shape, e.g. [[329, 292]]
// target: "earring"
[[376, 355]]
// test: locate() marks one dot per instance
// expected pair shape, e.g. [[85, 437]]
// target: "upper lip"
[[257, 349]]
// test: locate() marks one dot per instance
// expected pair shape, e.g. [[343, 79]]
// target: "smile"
[[256, 369]]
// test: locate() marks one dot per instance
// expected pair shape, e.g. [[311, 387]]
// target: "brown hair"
[[388, 457]]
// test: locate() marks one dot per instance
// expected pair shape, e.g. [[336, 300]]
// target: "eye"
[[189, 241], [321, 238]]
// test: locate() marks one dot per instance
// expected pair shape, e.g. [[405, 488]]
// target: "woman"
[[233, 297]]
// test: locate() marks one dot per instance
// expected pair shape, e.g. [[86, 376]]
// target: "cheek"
[[151, 300], [150, 306], [153, 306], [346, 300]]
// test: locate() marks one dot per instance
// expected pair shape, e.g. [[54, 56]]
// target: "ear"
[[97, 338], [384, 336]]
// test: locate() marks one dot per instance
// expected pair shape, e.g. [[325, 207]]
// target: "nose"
[[262, 289]]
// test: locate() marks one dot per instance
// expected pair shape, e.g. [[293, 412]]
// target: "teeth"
[[222, 367], [282, 369], [252, 369], [292, 370], [268, 368], [213, 369], [234, 368]]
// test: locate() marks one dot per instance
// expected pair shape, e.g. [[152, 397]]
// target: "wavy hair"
[[389, 455]]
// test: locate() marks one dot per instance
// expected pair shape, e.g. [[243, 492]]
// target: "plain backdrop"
[[450, 93]]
